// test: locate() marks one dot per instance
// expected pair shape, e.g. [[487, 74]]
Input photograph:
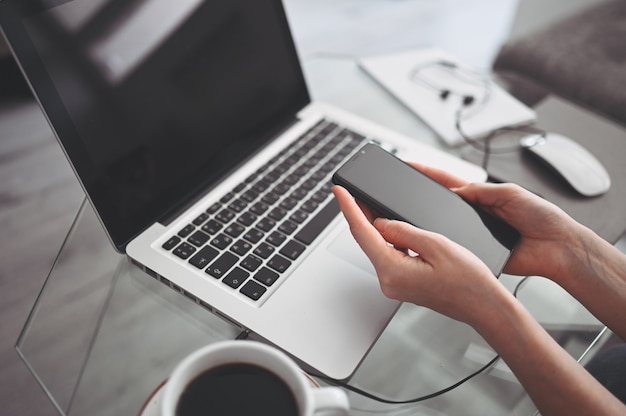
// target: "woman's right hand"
[[550, 239]]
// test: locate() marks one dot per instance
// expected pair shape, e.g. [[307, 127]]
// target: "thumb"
[[405, 235]]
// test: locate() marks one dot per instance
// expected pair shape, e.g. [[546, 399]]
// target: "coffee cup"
[[246, 378]]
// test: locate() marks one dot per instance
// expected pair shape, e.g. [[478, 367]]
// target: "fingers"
[[374, 236], [401, 234], [368, 238], [503, 200], [486, 194], [444, 178]]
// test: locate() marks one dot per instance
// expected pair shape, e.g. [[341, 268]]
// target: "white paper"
[[493, 107]]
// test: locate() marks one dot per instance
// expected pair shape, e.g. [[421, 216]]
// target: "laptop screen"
[[153, 100]]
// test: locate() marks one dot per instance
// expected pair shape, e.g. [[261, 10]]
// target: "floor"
[[39, 194]]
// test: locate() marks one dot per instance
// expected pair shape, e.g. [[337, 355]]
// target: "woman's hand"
[[549, 237], [444, 276]]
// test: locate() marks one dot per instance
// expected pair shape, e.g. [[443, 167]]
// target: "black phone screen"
[[398, 191]]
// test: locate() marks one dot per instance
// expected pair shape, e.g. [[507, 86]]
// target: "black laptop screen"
[[153, 100]]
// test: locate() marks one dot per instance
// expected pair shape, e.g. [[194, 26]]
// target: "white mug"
[[309, 399]]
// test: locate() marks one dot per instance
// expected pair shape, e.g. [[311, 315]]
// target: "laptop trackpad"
[[344, 247]]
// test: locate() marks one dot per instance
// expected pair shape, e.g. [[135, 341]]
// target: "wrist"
[[499, 309], [573, 257]]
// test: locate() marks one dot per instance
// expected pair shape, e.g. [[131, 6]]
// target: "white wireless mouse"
[[572, 161]]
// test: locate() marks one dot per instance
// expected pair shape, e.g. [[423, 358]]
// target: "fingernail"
[[381, 224]]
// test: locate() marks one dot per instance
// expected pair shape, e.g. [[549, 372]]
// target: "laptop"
[[191, 130]]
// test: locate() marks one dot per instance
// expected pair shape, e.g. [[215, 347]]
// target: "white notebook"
[[396, 72]]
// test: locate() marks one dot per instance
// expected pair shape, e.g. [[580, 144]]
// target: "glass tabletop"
[[103, 335]]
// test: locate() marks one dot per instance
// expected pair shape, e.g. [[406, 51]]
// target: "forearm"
[[596, 277], [556, 383]]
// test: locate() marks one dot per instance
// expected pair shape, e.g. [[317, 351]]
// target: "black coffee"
[[237, 390]]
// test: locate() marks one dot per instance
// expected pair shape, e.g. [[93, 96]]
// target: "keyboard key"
[[270, 198], [328, 186], [184, 250], [234, 230], [212, 227], [279, 263], [198, 238], [336, 159], [283, 167], [236, 277], [219, 268], [291, 179], [266, 276], [253, 290], [171, 243], [238, 205], [247, 219], [225, 216], [266, 224], [250, 195], [239, 187], [253, 236], [259, 208], [298, 194], [261, 186], [227, 197], [299, 217], [309, 206], [288, 203], [318, 176], [276, 238], [214, 208], [241, 247], [288, 227], [251, 263], [264, 250], [186, 231], [319, 196], [281, 189], [200, 219], [301, 171], [221, 241], [272, 176], [327, 167], [203, 257], [311, 230], [292, 250], [278, 213]]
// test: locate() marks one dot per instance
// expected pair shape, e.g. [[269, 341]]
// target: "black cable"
[[409, 401], [484, 144]]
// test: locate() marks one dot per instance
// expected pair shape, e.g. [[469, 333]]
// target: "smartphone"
[[396, 190]]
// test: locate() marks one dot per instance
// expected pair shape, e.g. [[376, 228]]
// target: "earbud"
[[467, 99]]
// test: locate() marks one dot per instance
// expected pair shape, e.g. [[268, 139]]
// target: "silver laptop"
[[189, 125]]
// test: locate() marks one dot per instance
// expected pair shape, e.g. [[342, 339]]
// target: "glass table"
[[103, 335]]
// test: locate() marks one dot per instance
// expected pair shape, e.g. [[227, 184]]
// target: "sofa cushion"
[[582, 58]]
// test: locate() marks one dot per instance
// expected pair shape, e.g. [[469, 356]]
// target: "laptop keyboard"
[[252, 235]]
